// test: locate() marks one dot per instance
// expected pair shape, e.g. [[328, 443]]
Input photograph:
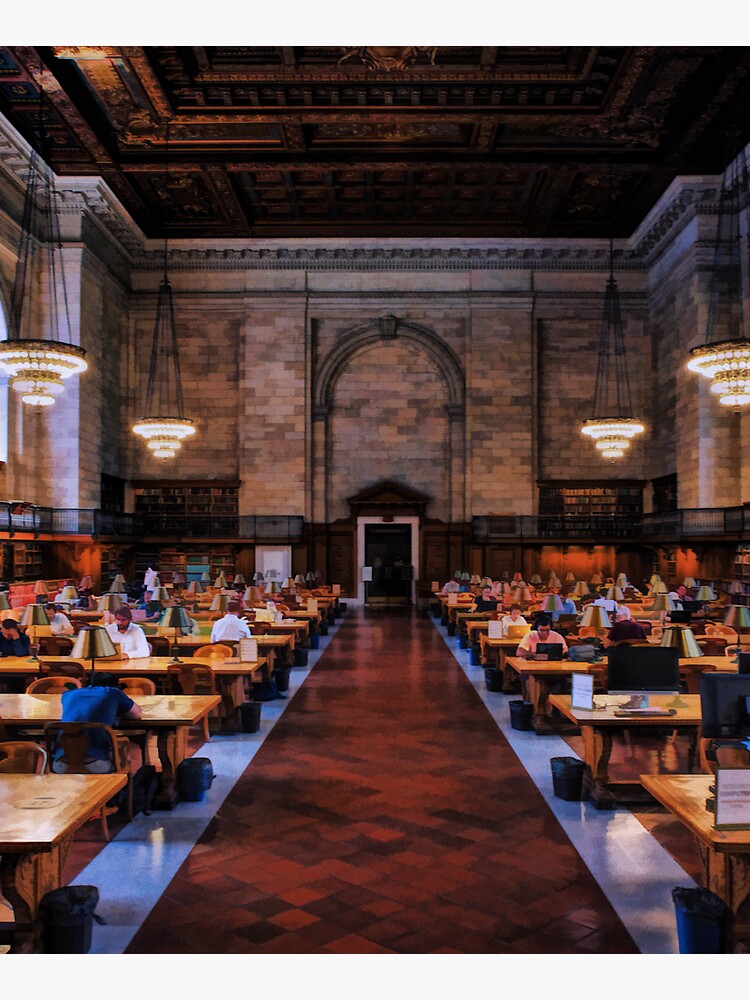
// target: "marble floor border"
[[634, 871]]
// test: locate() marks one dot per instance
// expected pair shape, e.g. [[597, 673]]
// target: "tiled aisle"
[[384, 812]]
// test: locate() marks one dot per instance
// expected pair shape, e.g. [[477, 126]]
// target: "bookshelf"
[[591, 500], [193, 562], [742, 573], [27, 561], [180, 500]]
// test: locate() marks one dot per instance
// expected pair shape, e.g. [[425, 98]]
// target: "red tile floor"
[[384, 813]]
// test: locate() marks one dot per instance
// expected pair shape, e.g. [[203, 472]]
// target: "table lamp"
[[706, 594], [220, 582], [68, 595], [737, 617], [552, 602], [41, 592], [220, 603], [615, 594], [310, 576], [597, 580], [683, 640], [622, 581], [735, 587], [595, 617], [288, 584], [654, 578], [475, 579], [524, 594], [663, 603], [194, 588], [689, 582], [109, 602], [117, 586], [238, 581], [554, 581], [91, 642], [581, 589], [570, 577], [273, 587], [659, 587], [178, 619], [33, 616], [5, 603], [205, 578], [518, 584], [535, 579]]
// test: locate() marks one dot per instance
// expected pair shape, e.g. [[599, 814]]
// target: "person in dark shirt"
[[485, 601], [626, 629], [13, 642], [103, 702]]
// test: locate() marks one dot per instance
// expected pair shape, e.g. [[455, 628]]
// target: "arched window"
[[3, 395]]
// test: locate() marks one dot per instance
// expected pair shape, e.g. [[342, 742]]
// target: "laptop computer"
[[518, 631], [548, 651]]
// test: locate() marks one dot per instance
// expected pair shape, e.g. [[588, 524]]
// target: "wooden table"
[[499, 649], [39, 814], [725, 854], [268, 645], [537, 679], [597, 728], [230, 676]]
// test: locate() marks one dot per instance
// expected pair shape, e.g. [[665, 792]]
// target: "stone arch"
[[388, 328]]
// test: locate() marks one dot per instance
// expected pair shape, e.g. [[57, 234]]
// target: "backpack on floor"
[[266, 691], [145, 786]]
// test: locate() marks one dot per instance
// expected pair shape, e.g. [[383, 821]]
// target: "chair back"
[[70, 668], [714, 645], [136, 685], [218, 649], [20, 757], [160, 645], [55, 645], [55, 684], [192, 678], [73, 737]]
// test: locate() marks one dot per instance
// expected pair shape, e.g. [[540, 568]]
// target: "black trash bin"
[[701, 921], [567, 778], [67, 917], [463, 640], [521, 713], [250, 716], [493, 679], [281, 677], [194, 777], [314, 640], [323, 627], [475, 655], [300, 656]]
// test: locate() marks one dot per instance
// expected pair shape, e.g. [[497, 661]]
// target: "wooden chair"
[[219, 649], [54, 684], [71, 668], [193, 678], [55, 645], [17, 757], [73, 737], [133, 686], [160, 645], [712, 645]]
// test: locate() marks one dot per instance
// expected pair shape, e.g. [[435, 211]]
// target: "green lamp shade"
[[220, 603], [220, 582], [552, 602], [581, 589], [663, 602], [681, 639], [705, 593], [194, 588], [737, 616], [109, 602], [92, 642], [67, 594], [5, 604], [34, 614], [595, 617], [176, 617], [615, 594], [659, 587]]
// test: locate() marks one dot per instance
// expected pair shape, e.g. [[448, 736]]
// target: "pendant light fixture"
[[165, 426], [38, 353], [725, 355], [612, 426]]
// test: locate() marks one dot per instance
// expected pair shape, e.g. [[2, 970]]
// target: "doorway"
[[388, 552]]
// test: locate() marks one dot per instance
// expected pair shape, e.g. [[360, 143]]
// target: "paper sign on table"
[[248, 650], [335, 589], [312, 604], [494, 629], [582, 691], [732, 798], [452, 598], [435, 585]]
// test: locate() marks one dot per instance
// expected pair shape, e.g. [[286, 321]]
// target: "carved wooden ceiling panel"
[[383, 141]]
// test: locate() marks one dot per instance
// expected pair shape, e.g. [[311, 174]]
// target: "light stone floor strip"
[[634, 871]]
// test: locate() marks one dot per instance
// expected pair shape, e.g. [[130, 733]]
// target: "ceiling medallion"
[[390, 57]]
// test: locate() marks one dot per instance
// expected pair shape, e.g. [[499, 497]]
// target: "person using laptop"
[[527, 647], [485, 601], [514, 617]]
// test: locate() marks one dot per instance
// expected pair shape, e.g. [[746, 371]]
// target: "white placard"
[[312, 604], [248, 650], [435, 585], [335, 589], [732, 798], [367, 574], [582, 691], [452, 598], [494, 629]]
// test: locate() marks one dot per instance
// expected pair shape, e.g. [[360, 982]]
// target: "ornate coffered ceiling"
[[382, 141]]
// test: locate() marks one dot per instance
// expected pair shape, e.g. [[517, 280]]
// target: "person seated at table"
[[542, 633], [485, 601], [102, 702], [568, 607], [231, 626], [625, 629], [451, 587], [127, 636], [679, 596], [514, 617], [13, 642], [86, 603], [602, 601], [60, 624]]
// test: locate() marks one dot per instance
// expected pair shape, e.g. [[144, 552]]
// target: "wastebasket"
[[451, 629], [567, 778], [67, 916], [300, 657], [521, 713], [323, 628], [463, 640], [701, 921], [315, 640], [194, 777], [493, 679], [250, 716], [475, 655], [281, 677]]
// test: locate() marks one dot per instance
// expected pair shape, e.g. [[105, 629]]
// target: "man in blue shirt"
[[12, 642], [98, 703]]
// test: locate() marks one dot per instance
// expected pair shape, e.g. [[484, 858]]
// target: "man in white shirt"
[[128, 637], [60, 623], [609, 606], [514, 618], [451, 587], [230, 626], [542, 633]]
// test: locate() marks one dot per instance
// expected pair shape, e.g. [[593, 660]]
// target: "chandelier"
[[725, 356], [38, 364], [165, 426], [613, 426]]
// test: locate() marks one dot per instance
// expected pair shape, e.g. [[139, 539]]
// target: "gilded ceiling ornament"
[[389, 57]]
